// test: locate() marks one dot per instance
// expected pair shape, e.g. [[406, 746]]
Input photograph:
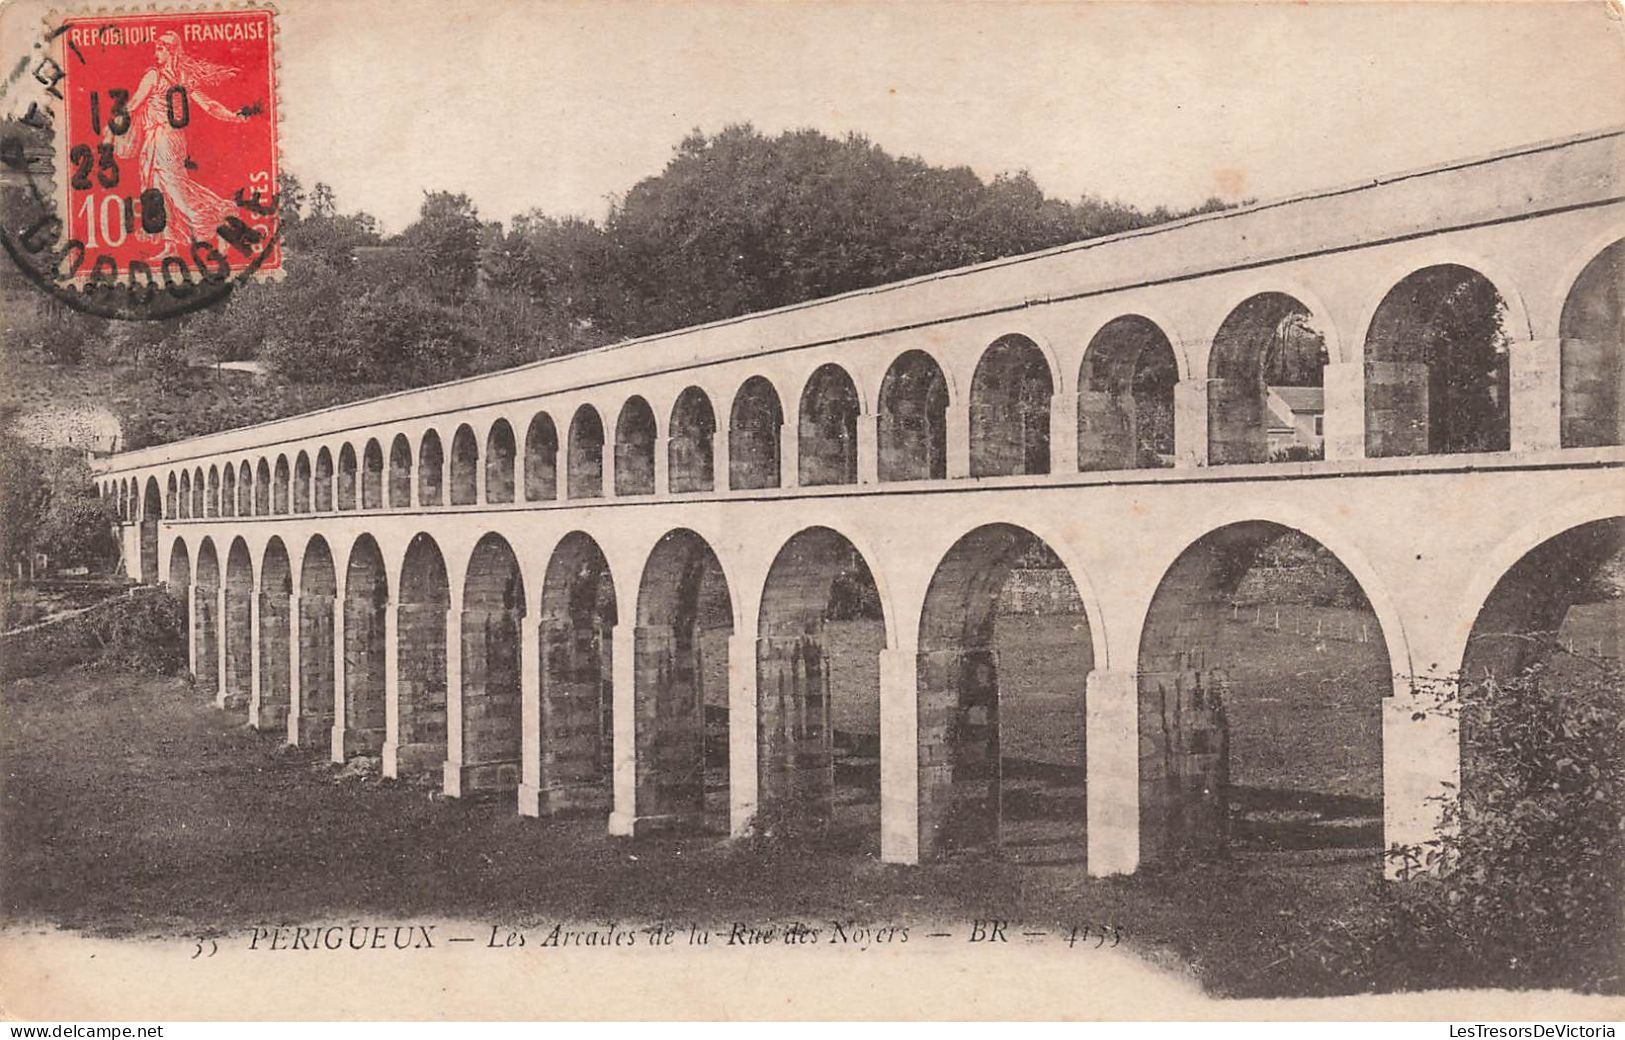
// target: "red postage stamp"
[[167, 155]]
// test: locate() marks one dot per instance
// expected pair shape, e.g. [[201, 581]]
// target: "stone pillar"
[[1344, 391], [390, 755], [530, 718], [191, 631], [1397, 419], [742, 736], [336, 741], [868, 449], [481, 461], [662, 476], [899, 757], [606, 465], [1593, 385], [958, 418], [264, 713], [720, 459], [623, 669], [1063, 432], [1104, 432], [1113, 764], [1536, 380], [1190, 422], [451, 771], [295, 662], [220, 624], [789, 453], [1419, 757]]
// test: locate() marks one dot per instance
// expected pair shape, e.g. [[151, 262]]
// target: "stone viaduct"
[[509, 580]]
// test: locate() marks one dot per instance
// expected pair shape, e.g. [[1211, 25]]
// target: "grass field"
[[131, 806]]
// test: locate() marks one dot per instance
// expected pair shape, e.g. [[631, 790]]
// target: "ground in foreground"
[[132, 807]]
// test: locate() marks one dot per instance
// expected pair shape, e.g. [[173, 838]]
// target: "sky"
[[563, 106]]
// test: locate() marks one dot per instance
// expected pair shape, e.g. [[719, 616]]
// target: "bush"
[[1298, 453], [144, 631], [1525, 888]]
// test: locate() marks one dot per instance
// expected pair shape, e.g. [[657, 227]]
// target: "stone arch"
[[318, 593], [912, 429], [585, 465], [400, 472], [172, 501], [206, 623], [1520, 596], [345, 491], [1010, 405], [211, 504], [1126, 396], [183, 494], [279, 486], [1268, 340], [1005, 647], [275, 617], [180, 586], [684, 622], [152, 510], [755, 425], [1259, 639], [262, 488], [690, 444], [1436, 365], [180, 570], [541, 459], [322, 491], [585, 472], [493, 613], [827, 446], [499, 462], [301, 483], [360, 728], [1591, 331], [635, 438], [465, 463], [820, 632], [431, 470], [578, 617], [236, 629], [228, 491], [421, 647], [372, 475]]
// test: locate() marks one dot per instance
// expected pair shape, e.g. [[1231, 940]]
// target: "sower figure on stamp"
[[160, 111]]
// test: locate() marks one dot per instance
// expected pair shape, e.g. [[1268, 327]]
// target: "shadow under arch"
[[822, 626], [1005, 649], [1260, 642], [578, 617], [685, 623], [317, 609]]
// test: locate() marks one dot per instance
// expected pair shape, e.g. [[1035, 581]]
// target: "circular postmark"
[[141, 182]]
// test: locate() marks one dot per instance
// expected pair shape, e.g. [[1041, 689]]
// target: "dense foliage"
[[1527, 886], [49, 504], [142, 631]]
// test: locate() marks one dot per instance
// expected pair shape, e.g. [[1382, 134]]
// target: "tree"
[[444, 245], [76, 524], [24, 495]]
